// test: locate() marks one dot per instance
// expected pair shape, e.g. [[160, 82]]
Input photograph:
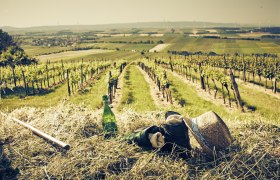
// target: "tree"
[[13, 56], [172, 30], [5, 41]]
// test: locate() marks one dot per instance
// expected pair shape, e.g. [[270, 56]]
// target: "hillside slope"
[[255, 152]]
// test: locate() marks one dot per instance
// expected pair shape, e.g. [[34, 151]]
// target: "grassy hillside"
[[76, 119], [254, 153]]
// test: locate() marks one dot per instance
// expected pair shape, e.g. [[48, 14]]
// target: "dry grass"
[[255, 153]]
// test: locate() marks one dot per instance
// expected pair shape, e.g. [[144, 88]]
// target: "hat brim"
[[202, 142]]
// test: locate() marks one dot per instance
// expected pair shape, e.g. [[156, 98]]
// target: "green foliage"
[[13, 56], [10, 54], [5, 40], [135, 91]]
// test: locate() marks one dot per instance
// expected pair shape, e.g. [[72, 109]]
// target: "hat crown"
[[213, 129]]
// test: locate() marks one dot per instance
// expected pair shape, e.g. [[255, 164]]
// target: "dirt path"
[[118, 96], [258, 88], [156, 95]]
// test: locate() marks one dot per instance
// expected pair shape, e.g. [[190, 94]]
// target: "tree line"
[[10, 52]]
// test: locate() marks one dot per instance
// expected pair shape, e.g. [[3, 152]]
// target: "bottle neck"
[[105, 102]]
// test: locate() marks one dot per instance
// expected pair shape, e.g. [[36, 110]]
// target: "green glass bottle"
[[109, 122]]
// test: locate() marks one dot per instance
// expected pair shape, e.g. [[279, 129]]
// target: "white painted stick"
[[40, 133]]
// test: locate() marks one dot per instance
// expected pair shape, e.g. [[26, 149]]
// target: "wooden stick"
[[236, 91], [40, 133]]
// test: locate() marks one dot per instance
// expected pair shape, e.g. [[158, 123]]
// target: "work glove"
[[156, 140], [147, 138]]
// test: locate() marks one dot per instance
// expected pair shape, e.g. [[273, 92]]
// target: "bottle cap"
[[105, 98]]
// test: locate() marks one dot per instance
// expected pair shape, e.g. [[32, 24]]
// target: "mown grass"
[[263, 83], [54, 96], [194, 105], [264, 104], [92, 98], [136, 91]]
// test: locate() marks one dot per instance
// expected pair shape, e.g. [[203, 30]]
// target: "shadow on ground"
[[269, 88], [6, 171], [130, 97], [20, 91]]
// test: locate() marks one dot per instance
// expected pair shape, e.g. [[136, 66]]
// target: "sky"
[[26, 13]]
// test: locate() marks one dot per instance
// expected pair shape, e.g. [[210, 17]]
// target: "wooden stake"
[[25, 84], [236, 91], [39, 133], [68, 82]]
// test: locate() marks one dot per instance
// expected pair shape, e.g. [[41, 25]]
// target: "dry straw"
[[255, 153]]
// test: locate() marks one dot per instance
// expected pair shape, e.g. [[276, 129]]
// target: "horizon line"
[[104, 24]]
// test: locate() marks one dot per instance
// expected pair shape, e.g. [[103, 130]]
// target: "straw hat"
[[208, 129]]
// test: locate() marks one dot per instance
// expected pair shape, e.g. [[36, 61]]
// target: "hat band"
[[198, 134]]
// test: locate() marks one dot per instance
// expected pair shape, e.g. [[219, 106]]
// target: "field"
[[122, 46], [39, 50], [70, 54], [75, 118], [221, 46], [159, 48]]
